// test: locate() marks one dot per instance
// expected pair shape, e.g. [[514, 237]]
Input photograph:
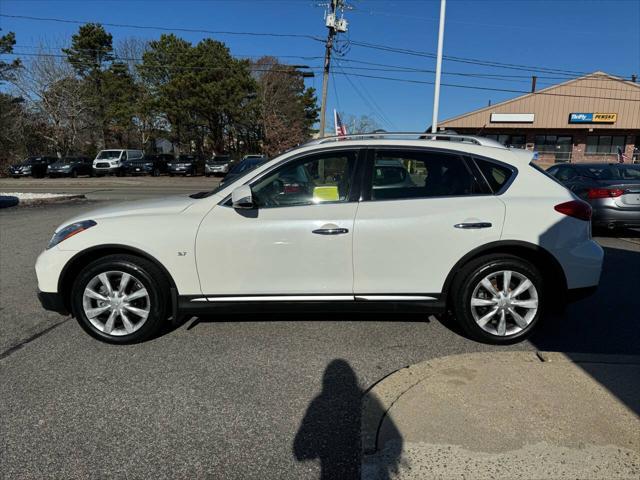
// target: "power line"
[[391, 49], [473, 61], [474, 87], [168, 29], [375, 109]]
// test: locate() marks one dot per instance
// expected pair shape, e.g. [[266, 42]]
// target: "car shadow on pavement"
[[300, 313], [606, 323], [330, 429]]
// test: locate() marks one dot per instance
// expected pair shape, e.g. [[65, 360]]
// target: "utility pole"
[[335, 26], [436, 92]]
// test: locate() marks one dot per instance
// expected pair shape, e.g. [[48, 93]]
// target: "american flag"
[[621, 156], [341, 128]]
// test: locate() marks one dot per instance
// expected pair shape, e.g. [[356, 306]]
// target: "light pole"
[[436, 91]]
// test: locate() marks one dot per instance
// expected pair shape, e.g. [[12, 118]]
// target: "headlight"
[[65, 167], [70, 231]]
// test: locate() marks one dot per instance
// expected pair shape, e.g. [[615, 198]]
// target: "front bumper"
[[138, 170], [19, 173], [106, 171], [53, 302], [217, 168], [61, 173]]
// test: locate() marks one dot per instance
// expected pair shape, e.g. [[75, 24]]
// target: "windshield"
[[109, 155], [245, 166], [29, 161], [235, 174], [186, 158], [65, 160]]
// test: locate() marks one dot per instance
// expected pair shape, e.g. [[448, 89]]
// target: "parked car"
[[186, 164], [32, 167], [218, 165], [483, 233], [153, 164], [110, 161], [247, 163], [612, 190], [71, 167]]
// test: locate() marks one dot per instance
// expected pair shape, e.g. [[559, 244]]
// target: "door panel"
[[410, 246], [274, 251], [298, 239], [424, 210]]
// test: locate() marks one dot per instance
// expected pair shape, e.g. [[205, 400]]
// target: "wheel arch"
[[81, 259], [548, 265]]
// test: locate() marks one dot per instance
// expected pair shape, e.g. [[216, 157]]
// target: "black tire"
[[156, 172], [151, 277], [471, 275], [171, 174], [74, 174]]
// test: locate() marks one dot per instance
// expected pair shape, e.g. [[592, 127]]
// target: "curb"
[[7, 201], [381, 396]]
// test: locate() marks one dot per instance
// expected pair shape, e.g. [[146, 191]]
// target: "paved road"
[[245, 396], [111, 188]]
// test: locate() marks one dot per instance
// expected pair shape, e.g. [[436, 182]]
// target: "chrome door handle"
[[331, 231], [473, 225]]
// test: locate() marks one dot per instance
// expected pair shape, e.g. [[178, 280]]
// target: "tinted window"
[[415, 174], [496, 175], [321, 178]]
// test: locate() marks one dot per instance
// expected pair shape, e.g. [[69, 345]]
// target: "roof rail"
[[482, 141]]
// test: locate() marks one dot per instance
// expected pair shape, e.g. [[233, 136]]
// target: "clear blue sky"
[[576, 35]]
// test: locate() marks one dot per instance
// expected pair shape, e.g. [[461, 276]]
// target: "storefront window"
[[604, 144], [552, 143], [516, 141]]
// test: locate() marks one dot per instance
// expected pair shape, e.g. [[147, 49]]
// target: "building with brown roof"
[[587, 119]]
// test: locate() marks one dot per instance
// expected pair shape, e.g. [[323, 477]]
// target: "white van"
[[110, 161]]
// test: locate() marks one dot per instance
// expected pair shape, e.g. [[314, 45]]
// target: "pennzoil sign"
[[593, 117]]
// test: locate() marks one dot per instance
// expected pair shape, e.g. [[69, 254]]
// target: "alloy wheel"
[[116, 303], [504, 303]]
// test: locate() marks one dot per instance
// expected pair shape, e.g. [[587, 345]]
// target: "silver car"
[[613, 190]]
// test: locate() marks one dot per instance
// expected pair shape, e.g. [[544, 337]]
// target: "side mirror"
[[241, 197]]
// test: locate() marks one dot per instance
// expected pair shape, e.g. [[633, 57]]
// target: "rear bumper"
[[606, 216], [52, 302]]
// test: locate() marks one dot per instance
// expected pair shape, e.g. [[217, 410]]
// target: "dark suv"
[[186, 164], [31, 167], [152, 164], [71, 167]]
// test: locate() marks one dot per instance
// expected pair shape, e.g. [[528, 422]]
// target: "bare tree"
[[53, 93]]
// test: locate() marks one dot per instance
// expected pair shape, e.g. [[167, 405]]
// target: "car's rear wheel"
[[120, 299], [498, 299]]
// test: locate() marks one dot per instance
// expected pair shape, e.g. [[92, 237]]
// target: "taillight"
[[576, 209], [604, 193]]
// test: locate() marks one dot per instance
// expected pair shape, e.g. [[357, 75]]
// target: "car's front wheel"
[[498, 298], [120, 299]]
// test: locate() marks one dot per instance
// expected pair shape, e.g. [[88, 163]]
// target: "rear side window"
[[406, 174], [496, 175]]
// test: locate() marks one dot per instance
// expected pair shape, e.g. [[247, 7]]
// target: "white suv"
[[448, 223]]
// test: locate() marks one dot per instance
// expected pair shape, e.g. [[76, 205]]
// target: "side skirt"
[[202, 305]]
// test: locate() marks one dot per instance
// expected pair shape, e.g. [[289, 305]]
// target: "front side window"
[[401, 175], [315, 179]]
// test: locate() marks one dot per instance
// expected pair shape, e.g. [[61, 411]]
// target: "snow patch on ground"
[[34, 196]]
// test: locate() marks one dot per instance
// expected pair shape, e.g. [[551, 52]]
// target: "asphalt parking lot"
[[225, 396]]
